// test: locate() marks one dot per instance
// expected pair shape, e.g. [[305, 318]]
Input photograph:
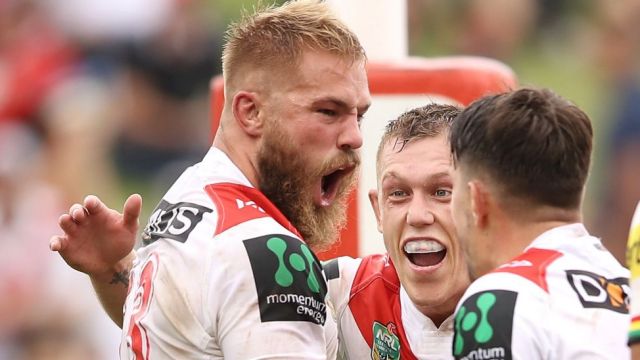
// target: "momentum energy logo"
[[483, 326], [288, 279]]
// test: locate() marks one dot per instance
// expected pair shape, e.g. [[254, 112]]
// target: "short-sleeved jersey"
[[633, 261], [375, 317], [565, 297], [222, 274]]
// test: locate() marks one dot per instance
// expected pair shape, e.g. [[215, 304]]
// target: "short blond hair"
[[275, 37], [422, 122]]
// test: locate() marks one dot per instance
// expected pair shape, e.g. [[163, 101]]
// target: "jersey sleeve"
[[331, 335], [266, 296], [340, 273], [498, 323]]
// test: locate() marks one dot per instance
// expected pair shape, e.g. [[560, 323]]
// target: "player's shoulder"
[[198, 211], [341, 268], [484, 318], [533, 266], [378, 270], [526, 275], [348, 278], [365, 268]]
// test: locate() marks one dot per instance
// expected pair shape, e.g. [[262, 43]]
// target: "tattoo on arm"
[[121, 277]]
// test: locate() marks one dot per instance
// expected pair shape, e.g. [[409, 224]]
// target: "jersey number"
[[137, 339]]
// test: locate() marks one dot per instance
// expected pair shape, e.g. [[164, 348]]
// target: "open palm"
[[96, 237]]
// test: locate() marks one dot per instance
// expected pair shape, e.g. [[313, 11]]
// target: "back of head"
[[426, 121], [532, 144], [274, 38]]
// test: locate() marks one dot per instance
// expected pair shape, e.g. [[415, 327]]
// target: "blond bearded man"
[[226, 269], [400, 304]]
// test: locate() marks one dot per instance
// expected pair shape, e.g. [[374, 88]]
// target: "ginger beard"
[[287, 179]]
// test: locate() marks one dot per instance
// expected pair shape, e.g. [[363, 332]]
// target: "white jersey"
[[222, 274], [565, 297], [375, 317]]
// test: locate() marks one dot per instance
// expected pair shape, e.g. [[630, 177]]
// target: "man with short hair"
[[544, 288], [401, 304], [226, 270]]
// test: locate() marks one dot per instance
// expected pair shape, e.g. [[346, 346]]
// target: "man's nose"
[[351, 136], [419, 213]]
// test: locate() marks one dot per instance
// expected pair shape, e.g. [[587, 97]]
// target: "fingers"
[[131, 210], [67, 224], [57, 243], [93, 204], [78, 213]]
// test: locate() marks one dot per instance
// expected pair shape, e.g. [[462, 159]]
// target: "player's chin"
[[427, 295]]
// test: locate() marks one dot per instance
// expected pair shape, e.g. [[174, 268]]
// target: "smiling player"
[[400, 304]]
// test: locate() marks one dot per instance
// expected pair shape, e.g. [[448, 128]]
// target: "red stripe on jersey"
[[137, 337], [238, 203], [375, 296], [532, 265]]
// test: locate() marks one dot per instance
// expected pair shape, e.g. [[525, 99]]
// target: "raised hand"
[[96, 238], [99, 241]]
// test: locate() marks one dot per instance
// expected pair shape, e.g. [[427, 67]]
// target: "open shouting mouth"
[[327, 190], [424, 252]]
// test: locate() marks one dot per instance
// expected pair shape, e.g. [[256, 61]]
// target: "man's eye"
[[397, 194], [443, 193], [327, 112]]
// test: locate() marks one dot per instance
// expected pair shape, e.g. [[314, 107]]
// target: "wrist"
[[117, 273]]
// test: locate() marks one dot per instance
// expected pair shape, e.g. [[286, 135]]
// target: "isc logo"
[[173, 221], [596, 291]]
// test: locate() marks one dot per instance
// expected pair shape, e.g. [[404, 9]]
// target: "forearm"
[[111, 288]]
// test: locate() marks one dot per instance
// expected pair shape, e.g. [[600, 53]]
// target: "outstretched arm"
[[99, 241]]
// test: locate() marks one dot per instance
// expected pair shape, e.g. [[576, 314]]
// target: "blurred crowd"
[[95, 97], [112, 97]]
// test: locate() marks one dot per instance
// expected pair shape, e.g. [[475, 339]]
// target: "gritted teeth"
[[422, 247]]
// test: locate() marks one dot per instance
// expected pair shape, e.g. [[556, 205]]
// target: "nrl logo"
[[386, 345]]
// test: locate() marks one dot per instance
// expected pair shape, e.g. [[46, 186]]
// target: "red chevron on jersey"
[[238, 203], [375, 299], [532, 265]]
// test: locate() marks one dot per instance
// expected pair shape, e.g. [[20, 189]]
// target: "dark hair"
[[531, 142]]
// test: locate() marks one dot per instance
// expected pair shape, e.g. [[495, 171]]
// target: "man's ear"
[[479, 203], [246, 110], [373, 199]]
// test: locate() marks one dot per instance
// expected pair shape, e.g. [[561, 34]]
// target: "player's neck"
[[239, 152], [439, 313]]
